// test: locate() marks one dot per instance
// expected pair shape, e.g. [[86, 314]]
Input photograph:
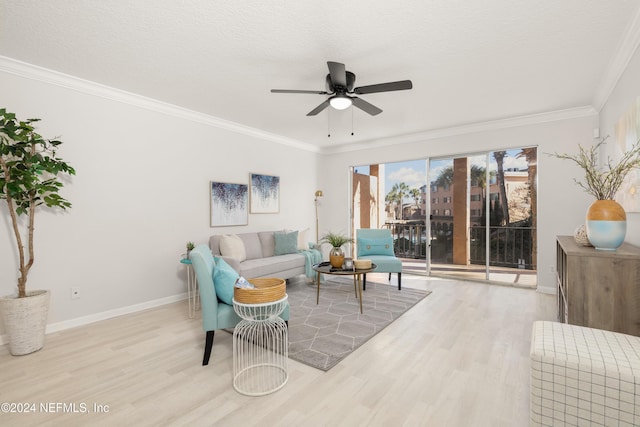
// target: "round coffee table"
[[326, 268]]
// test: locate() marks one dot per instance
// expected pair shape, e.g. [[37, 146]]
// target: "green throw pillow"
[[224, 279], [286, 243], [383, 246]]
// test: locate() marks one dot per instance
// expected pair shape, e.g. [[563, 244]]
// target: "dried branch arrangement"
[[604, 183]]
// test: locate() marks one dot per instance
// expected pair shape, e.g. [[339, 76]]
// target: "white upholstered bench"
[[584, 377]]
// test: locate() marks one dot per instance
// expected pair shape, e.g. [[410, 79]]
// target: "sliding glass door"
[[471, 216], [441, 189], [483, 216]]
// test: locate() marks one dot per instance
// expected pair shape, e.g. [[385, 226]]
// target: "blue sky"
[[414, 172]]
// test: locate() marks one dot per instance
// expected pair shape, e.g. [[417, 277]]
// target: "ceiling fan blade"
[[338, 74], [384, 87], [316, 92], [365, 106], [319, 108]]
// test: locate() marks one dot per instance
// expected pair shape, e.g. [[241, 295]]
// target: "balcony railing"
[[409, 239], [508, 246]]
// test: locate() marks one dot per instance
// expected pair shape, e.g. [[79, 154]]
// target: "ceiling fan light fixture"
[[339, 84], [340, 102]]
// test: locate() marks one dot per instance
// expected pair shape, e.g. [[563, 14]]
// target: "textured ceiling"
[[470, 61]]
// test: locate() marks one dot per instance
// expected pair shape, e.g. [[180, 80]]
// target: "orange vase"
[[336, 257], [606, 225]]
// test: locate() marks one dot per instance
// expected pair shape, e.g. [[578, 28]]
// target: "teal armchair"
[[215, 313], [377, 246]]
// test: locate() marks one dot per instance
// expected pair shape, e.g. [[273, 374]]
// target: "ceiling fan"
[[340, 88]]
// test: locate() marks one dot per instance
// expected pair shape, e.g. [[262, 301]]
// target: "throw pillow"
[[232, 246], [383, 246], [224, 279], [268, 243], [303, 240], [286, 243], [252, 246]]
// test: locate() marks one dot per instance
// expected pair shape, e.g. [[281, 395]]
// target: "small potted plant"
[[30, 178], [190, 247], [606, 220], [336, 240]]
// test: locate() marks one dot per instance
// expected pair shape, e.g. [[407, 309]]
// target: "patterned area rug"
[[324, 334]]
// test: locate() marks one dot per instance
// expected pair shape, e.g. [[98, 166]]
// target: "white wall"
[[141, 190], [622, 97], [561, 204], [140, 193]]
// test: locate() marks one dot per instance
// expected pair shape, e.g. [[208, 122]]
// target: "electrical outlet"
[[75, 293]]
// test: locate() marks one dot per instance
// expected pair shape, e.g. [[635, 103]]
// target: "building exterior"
[[518, 200]]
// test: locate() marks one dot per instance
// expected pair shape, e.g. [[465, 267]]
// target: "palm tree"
[[479, 175], [397, 194], [391, 200], [531, 155], [415, 194], [499, 156], [445, 179]]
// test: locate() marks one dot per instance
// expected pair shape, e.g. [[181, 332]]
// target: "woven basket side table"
[[260, 348]]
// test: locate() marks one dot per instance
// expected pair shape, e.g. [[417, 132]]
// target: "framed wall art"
[[627, 131], [265, 193], [229, 204]]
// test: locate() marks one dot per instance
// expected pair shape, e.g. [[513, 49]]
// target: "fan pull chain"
[[352, 120], [329, 123]]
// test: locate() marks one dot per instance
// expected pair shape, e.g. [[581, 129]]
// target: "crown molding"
[[623, 55], [34, 72], [41, 74], [531, 119]]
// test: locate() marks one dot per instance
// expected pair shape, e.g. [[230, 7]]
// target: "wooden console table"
[[599, 289]]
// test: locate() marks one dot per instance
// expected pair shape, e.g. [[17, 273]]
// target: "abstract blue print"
[[265, 193], [229, 204]]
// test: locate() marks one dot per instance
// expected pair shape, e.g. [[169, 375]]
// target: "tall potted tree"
[[30, 176]]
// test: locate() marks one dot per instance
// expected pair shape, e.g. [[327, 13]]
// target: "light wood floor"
[[460, 357]]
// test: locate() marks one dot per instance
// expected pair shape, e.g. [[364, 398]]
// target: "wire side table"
[[192, 287], [260, 348]]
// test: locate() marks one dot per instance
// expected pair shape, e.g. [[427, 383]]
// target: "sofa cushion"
[[252, 246], [231, 245], [381, 246], [385, 263], [268, 243], [286, 243], [272, 266], [303, 240], [214, 244], [224, 279]]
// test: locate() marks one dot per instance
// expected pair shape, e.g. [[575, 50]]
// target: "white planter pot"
[[25, 321]]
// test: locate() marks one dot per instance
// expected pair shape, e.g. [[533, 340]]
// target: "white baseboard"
[[546, 290], [92, 318]]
